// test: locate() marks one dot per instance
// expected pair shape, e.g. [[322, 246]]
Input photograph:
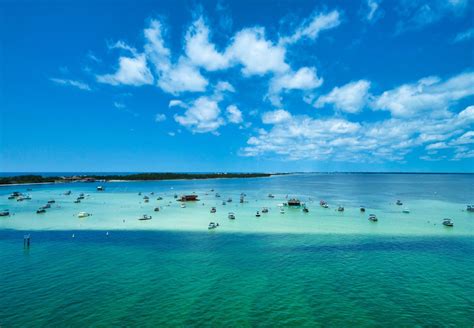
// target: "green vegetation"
[[131, 177]]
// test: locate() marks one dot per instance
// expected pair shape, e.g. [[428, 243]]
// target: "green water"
[[183, 279]]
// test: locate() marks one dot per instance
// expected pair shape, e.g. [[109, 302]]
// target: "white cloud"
[[373, 6], [258, 55], [200, 51], [276, 116], [160, 117], [202, 116], [119, 105], [350, 98], [73, 83], [312, 27], [234, 115], [132, 71], [176, 103], [430, 94], [464, 36]]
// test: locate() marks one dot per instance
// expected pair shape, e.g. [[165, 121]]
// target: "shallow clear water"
[[323, 268]]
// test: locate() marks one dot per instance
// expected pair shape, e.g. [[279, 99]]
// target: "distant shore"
[[39, 179]]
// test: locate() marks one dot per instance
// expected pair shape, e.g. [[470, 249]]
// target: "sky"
[[231, 86]]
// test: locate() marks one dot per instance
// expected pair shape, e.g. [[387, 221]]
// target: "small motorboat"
[[470, 208], [229, 200], [448, 223], [305, 210], [217, 195], [175, 196], [146, 200], [139, 194], [323, 204], [83, 214], [223, 203], [241, 199], [257, 214], [373, 218], [47, 206], [340, 209], [362, 209], [264, 210], [67, 193], [40, 211], [159, 198], [399, 202], [213, 210], [77, 201], [51, 201], [11, 197], [271, 196], [183, 205], [406, 211], [157, 209], [231, 216], [100, 188], [4, 213], [212, 225], [282, 210], [145, 217]]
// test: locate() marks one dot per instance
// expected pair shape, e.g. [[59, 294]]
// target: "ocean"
[[321, 268]]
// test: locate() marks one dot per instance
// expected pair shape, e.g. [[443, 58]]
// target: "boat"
[[47, 206], [40, 211], [323, 204], [212, 225], [282, 210], [4, 213], [213, 210], [51, 201], [217, 195], [83, 215], [224, 203], [183, 205], [159, 198], [77, 201], [229, 200], [470, 208], [175, 196], [406, 211], [100, 188], [362, 209], [188, 198], [399, 202], [340, 209], [67, 193], [157, 209], [294, 202], [145, 217], [139, 194], [231, 216], [146, 199], [258, 214], [305, 210], [11, 197], [264, 210], [241, 199], [373, 218], [448, 223], [271, 196]]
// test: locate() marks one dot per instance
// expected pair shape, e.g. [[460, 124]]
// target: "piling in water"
[[26, 241]]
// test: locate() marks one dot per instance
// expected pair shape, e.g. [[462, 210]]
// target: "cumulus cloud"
[[202, 116], [428, 94], [350, 98], [131, 71], [305, 78], [311, 27], [373, 6], [276, 116], [200, 51], [255, 53], [234, 115], [303, 137], [72, 83], [176, 103]]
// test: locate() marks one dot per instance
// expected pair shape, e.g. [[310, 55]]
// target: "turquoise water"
[[323, 268]]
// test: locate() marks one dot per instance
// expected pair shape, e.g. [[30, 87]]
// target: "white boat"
[[212, 225], [83, 214], [373, 218], [213, 210], [183, 205], [282, 211], [4, 213], [448, 223], [145, 217], [231, 216], [340, 209], [264, 210], [406, 211]]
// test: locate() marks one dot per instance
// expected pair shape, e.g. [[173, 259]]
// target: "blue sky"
[[369, 85]]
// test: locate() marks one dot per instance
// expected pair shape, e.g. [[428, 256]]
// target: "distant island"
[[31, 178]]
